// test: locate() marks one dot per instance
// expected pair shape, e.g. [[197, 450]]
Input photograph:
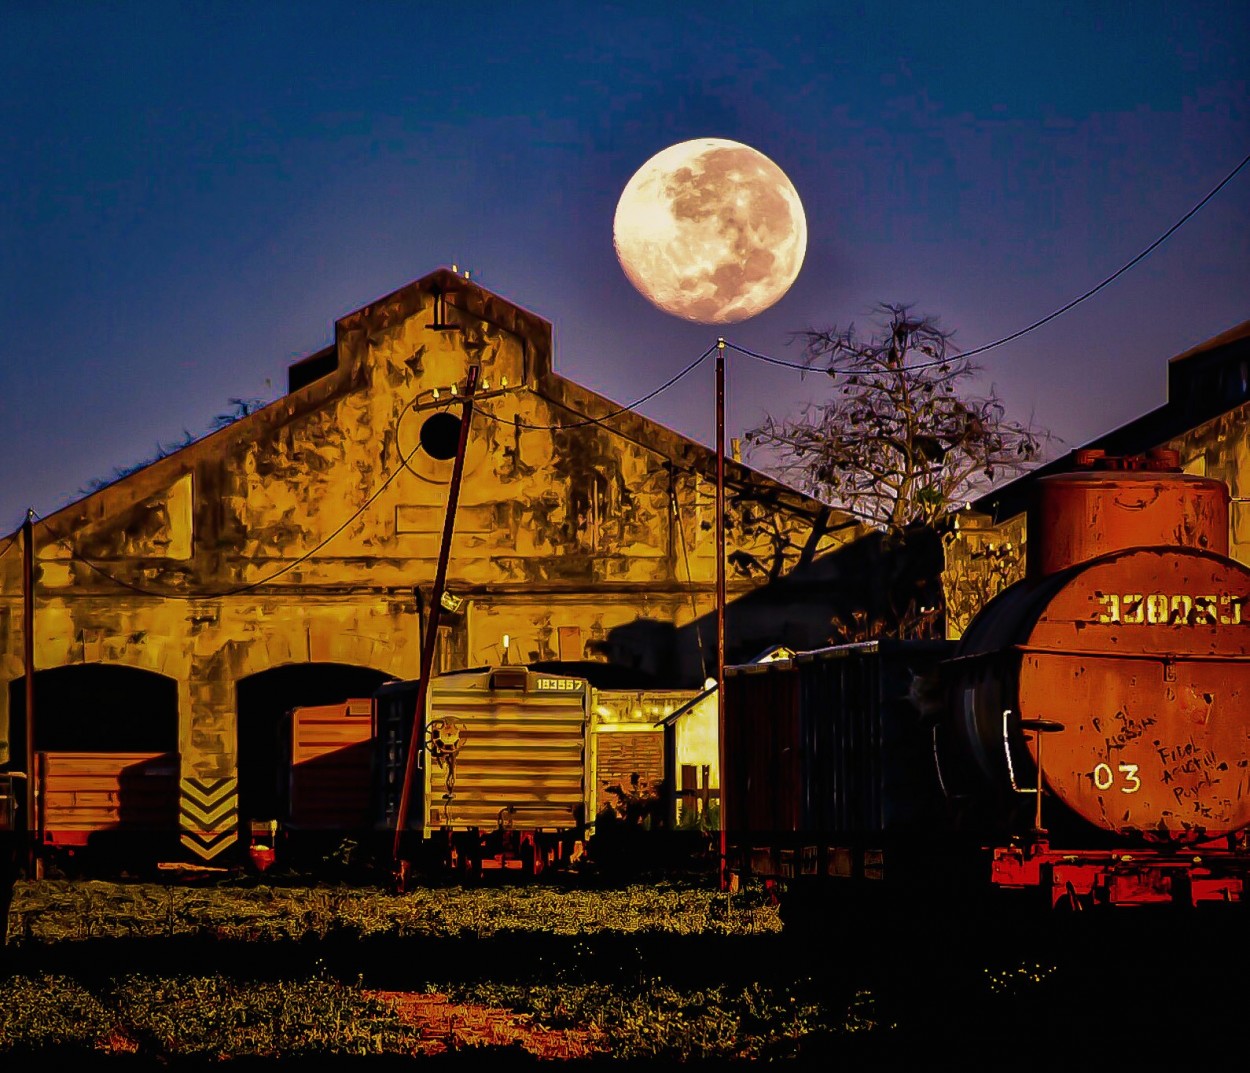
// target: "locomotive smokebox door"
[[1151, 682], [1153, 686]]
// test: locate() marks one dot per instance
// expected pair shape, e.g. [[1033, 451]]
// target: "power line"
[[803, 367], [74, 555], [611, 413], [1119, 272], [1050, 316]]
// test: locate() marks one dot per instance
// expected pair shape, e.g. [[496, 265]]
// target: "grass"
[[58, 911]]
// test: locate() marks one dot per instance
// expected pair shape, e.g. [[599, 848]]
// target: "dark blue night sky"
[[192, 193]]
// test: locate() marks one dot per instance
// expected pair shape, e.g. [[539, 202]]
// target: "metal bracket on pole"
[[429, 636]]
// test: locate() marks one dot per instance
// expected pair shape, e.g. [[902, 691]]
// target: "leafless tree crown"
[[897, 444]]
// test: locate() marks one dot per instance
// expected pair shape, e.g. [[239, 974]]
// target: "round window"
[[440, 436]]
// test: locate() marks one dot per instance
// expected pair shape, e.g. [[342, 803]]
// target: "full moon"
[[711, 231]]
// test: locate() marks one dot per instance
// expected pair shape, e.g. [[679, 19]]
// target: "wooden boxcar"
[[501, 770], [327, 764], [116, 809]]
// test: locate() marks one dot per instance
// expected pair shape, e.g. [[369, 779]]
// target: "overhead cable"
[[1050, 316]]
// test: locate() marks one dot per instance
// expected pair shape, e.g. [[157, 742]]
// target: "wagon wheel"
[[443, 738]]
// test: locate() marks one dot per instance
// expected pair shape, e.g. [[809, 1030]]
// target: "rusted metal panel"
[[1143, 659], [1089, 513], [1152, 688], [81, 794], [329, 761]]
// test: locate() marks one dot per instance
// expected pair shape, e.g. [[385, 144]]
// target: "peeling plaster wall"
[[982, 558], [1221, 449], [298, 533]]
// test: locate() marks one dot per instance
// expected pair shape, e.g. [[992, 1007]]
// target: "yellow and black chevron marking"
[[208, 813]]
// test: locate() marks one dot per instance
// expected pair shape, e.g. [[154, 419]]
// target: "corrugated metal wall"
[[519, 750]]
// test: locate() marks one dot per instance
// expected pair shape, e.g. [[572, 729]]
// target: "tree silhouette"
[[898, 445]]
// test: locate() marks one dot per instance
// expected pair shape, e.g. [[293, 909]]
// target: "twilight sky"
[[192, 193]]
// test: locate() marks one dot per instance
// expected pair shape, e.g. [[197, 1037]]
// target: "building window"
[[570, 640], [590, 509]]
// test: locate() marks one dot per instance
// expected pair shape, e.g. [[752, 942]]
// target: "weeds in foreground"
[[205, 1017], [214, 1018]]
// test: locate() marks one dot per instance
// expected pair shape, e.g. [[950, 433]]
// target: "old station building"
[[288, 557]]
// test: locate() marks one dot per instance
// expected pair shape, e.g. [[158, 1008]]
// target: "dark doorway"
[[263, 701], [95, 708]]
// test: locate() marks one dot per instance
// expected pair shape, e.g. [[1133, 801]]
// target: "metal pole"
[[430, 637], [28, 661], [720, 603]]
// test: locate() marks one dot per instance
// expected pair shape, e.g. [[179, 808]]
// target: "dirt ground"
[[446, 1026]]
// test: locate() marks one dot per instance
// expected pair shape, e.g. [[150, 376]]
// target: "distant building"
[[288, 558], [1206, 419]]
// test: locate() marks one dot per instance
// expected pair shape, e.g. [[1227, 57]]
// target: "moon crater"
[[711, 231]]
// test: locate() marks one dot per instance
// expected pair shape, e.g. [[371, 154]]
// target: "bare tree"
[[898, 446]]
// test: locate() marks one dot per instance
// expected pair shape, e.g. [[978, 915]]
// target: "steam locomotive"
[[1086, 742]]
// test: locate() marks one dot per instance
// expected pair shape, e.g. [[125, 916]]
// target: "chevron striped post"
[[208, 814]]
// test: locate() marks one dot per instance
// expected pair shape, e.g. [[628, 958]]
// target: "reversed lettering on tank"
[[1170, 609]]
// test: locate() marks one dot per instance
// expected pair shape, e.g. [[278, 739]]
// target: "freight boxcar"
[[327, 776], [500, 770], [106, 811], [829, 768]]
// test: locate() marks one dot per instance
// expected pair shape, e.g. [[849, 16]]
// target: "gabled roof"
[[315, 379], [1203, 382]]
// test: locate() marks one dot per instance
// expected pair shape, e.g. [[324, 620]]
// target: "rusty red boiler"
[[1121, 667]]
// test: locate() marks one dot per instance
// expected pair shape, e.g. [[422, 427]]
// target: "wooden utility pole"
[[720, 603], [429, 638], [28, 663]]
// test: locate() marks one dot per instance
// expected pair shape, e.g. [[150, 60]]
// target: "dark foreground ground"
[[906, 988]]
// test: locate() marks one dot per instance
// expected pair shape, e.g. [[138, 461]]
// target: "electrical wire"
[[611, 413], [238, 590], [803, 367], [685, 555], [1050, 316]]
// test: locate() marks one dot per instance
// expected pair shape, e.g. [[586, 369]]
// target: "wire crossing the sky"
[[1050, 316], [800, 366]]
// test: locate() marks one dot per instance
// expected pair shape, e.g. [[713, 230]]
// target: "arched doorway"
[[105, 763], [262, 702], [97, 708]]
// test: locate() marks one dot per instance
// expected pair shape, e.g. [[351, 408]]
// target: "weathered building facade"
[[288, 558], [1206, 420]]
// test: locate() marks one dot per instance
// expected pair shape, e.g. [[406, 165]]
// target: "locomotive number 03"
[[1164, 609], [1104, 778]]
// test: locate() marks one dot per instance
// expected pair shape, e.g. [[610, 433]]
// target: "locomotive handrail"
[[1042, 726], [1011, 767]]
